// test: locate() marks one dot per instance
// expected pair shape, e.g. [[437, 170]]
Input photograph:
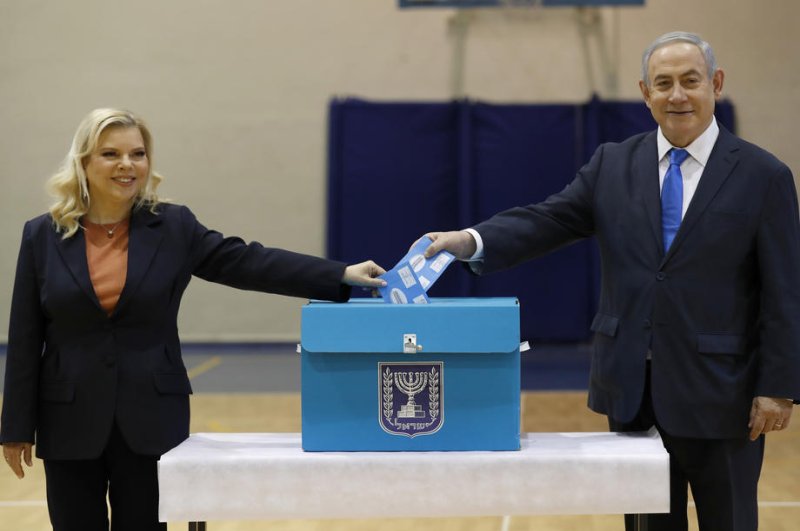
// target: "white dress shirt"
[[692, 168]]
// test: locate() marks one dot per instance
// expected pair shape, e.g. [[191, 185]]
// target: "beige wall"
[[236, 93]]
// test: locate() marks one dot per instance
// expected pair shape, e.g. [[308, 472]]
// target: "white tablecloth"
[[255, 476]]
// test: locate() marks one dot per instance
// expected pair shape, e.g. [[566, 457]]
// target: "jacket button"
[[111, 361], [647, 323], [660, 276]]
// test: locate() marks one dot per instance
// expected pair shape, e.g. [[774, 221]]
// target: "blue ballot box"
[[411, 377]]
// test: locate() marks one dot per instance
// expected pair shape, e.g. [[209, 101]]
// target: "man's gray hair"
[[680, 36]]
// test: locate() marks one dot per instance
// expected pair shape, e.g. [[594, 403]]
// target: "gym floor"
[[255, 388]]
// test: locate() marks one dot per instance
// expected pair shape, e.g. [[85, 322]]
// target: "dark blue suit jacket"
[[72, 370], [720, 311]]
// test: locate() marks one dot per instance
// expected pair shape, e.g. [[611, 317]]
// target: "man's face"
[[679, 93]]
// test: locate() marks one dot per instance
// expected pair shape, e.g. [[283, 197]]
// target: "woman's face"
[[118, 167]]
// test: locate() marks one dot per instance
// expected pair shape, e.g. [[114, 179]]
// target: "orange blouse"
[[108, 260]]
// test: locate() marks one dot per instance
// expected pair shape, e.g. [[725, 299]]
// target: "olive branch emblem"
[[433, 393], [388, 395]]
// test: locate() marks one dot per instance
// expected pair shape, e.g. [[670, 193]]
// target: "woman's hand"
[[363, 275], [14, 453]]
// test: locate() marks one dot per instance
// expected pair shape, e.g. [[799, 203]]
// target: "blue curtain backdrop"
[[398, 170]]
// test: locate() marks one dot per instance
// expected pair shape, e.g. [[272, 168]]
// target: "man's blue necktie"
[[672, 196]]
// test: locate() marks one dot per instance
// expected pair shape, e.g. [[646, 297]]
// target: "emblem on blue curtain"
[[411, 397]]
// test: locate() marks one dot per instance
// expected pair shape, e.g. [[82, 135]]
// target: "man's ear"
[[717, 81], [645, 93]]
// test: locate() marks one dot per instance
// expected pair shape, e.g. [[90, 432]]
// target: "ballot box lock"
[[410, 344]]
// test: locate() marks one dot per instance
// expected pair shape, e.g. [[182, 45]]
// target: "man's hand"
[[458, 242], [14, 453], [769, 414], [363, 275]]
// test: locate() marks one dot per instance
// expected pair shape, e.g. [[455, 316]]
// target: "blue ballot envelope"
[[409, 280], [411, 377]]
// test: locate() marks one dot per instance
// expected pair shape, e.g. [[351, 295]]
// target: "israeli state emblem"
[[411, 398]]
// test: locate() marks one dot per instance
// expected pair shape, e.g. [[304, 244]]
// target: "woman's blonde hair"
[[69, 185]]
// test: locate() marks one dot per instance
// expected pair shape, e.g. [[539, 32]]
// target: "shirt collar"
[[700, 149]]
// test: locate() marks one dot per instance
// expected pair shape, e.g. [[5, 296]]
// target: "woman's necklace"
[[110, 232]]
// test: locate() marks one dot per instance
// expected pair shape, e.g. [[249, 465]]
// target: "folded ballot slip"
[[409, 280], [402, 286]]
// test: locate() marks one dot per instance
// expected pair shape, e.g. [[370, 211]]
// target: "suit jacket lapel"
[[73, 252], [143, 242], [720, 165], [645, 167]]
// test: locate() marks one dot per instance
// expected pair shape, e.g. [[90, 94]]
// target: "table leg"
[[641, 522], [197, 526]]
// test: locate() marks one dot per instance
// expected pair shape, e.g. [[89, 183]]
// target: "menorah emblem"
[[411, 383], [411, 397]]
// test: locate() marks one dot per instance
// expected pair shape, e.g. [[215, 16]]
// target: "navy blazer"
[[720, 311], [72, 370]]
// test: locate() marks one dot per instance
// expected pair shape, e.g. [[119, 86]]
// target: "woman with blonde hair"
[[94, 373]]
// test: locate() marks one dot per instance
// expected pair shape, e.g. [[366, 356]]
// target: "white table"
[[257, 476]]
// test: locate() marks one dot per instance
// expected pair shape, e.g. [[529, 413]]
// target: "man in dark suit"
[[696, 332]]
